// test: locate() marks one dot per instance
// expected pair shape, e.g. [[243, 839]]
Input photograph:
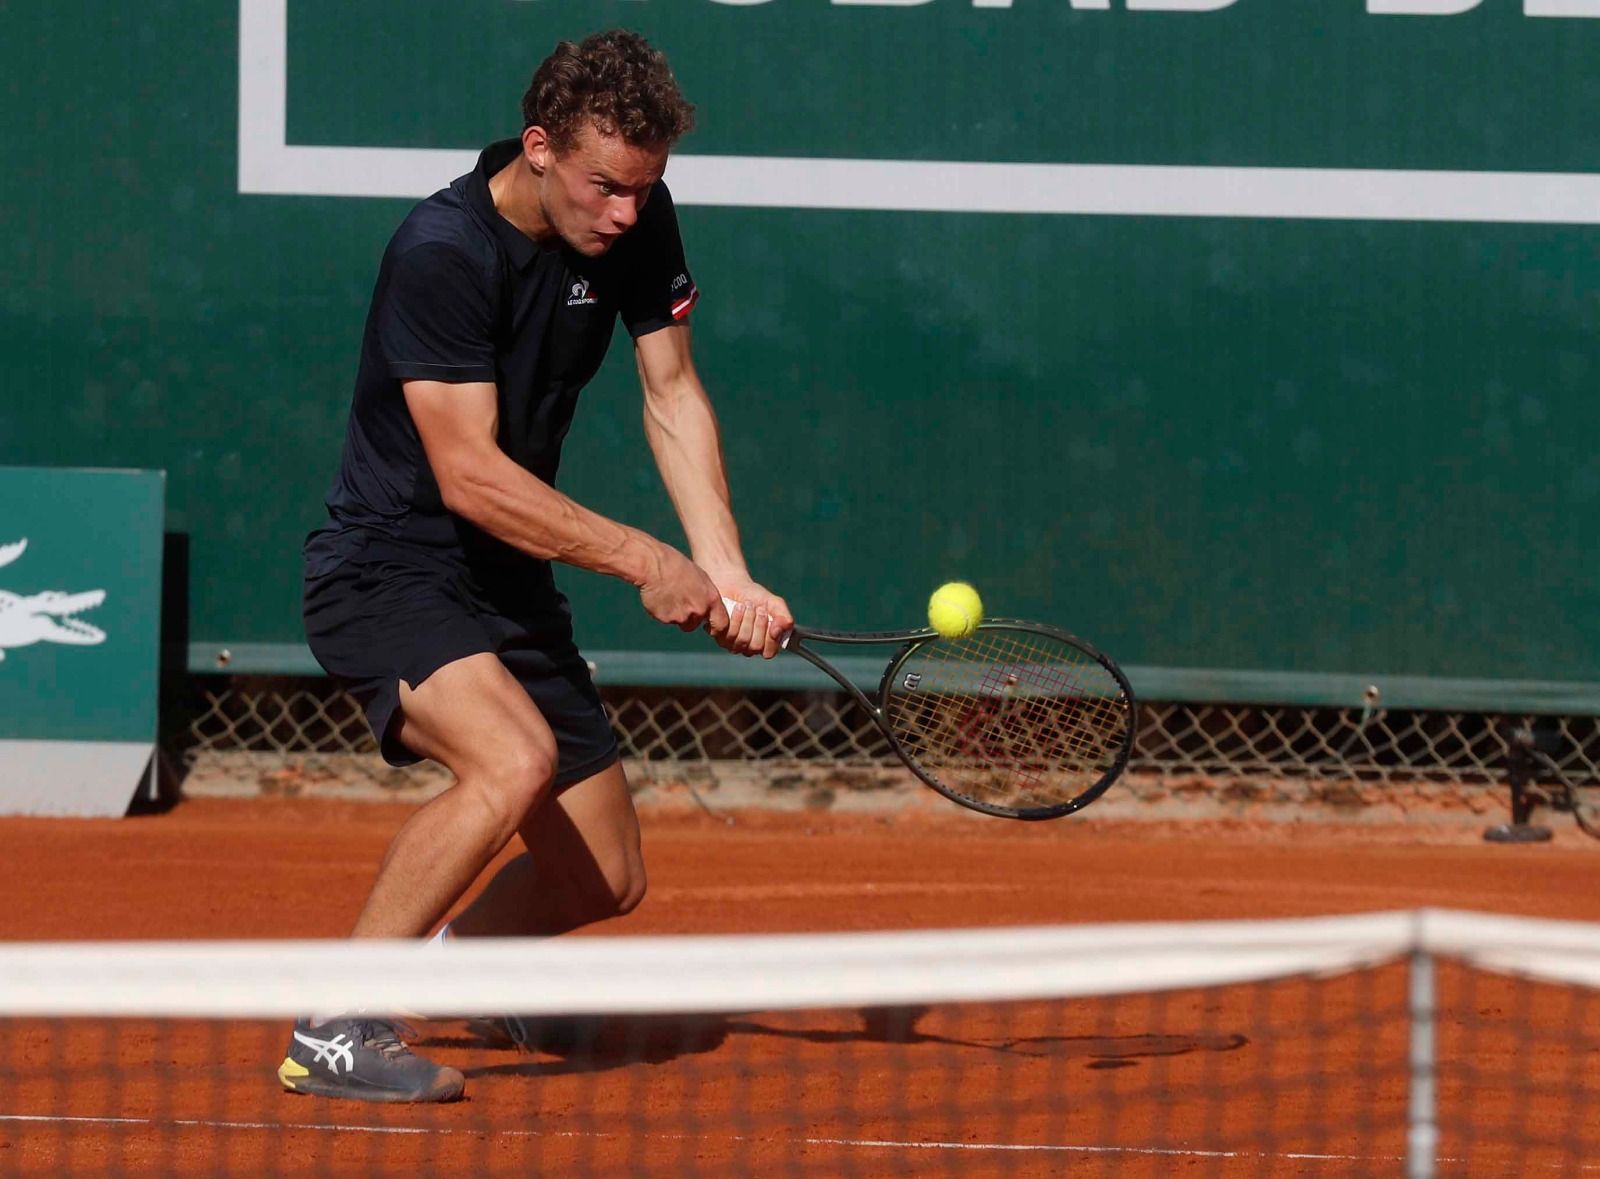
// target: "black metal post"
[[1519, 774]]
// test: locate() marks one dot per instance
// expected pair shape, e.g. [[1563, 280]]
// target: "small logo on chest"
[[579, 295]]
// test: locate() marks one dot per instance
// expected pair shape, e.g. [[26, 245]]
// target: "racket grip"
[[728, 604]]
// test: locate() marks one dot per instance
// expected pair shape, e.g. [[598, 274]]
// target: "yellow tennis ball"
[[955, 610]]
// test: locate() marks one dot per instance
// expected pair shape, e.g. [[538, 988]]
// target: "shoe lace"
[[384, 1035], [519, 1031]]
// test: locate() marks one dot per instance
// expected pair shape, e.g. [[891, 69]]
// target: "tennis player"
[[429, 592]]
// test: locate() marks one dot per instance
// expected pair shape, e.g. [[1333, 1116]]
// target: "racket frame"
[[913, 640]]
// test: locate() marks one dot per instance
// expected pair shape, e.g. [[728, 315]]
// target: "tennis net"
[[1411, 1044]]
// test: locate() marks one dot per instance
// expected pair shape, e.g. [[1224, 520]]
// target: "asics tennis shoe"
[[362, 1058], [505, 1031]]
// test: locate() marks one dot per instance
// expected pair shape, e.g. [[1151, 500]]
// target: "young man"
[[429, 590]]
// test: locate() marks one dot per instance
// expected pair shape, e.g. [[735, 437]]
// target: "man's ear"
[[536, 148]]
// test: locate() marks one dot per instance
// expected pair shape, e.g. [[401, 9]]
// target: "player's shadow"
[[589, 1044], [898, 1025], [566, 1045]]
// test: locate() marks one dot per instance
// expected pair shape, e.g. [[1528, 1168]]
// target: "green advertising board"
[[1253, 339], [80, 604]]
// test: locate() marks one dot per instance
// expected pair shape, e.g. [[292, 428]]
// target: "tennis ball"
[[955, 610]]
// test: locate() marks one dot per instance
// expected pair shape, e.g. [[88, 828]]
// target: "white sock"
[[437, 939]]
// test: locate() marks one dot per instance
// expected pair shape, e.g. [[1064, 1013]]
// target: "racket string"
[[1010, 718]]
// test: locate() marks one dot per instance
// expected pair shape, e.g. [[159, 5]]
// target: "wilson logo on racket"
[[912, 682]]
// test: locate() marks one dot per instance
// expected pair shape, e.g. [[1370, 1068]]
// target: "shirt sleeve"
[[435, 320], [658, 290]]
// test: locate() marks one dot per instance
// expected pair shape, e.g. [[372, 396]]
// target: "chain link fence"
[[817, 749]]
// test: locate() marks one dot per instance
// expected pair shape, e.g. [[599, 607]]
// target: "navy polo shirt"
[[464, 296]]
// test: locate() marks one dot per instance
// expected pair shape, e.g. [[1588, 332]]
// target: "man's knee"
[[514, 781], [617, 888], [630, 890]]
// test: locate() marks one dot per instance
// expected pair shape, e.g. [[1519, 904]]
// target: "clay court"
[[1290, 1078], [1209, 376]]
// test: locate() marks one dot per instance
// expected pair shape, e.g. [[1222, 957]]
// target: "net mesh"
[[1216, 1053], [817, 749], [1135, 1087], [1518, 1078]]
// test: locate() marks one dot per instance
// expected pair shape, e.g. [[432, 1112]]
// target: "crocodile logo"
[[48, 617]]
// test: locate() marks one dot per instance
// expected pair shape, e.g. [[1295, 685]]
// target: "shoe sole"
[[448, 1085]]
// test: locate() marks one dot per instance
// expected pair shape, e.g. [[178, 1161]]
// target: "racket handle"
[[728, 604]]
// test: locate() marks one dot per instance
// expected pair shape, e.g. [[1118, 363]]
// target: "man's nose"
[[625, 212]]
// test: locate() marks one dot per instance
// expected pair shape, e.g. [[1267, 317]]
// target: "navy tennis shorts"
[[372, 624]]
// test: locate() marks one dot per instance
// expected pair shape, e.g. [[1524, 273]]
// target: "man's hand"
[[759, 621], [680, 593]]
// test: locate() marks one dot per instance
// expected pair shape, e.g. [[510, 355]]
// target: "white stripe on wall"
[[270, 165]]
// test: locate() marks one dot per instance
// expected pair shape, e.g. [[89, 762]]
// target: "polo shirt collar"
[[519, 247]]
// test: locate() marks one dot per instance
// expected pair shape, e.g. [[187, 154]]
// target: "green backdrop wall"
[[1290, 454]]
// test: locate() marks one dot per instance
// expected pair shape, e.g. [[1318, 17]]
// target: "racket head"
[[1019, 719]]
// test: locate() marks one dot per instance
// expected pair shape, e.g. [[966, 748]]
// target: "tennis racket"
[[1018, 719]]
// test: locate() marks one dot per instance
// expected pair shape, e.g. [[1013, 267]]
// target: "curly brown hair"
[[615, 78]]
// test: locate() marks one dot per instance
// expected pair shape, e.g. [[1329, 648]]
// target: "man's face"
[[592, 194]]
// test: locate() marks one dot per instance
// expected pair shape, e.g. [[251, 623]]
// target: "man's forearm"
[[524, 511], [682, 431]]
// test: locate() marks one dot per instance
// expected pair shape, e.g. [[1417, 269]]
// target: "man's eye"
[[607, 188]]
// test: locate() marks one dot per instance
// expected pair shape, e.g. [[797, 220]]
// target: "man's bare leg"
[[473, 717], [583, 864]]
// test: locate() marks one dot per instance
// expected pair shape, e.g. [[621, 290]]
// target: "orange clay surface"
[[1297, 1078]]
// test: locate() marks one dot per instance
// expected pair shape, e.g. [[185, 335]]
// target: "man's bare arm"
[[683, 434], [479, 482]]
